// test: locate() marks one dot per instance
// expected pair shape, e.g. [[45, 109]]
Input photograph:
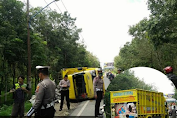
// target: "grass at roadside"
[[6, 110]]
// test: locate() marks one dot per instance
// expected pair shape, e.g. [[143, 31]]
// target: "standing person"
[[19, 97], [170, 109], [45, 94], [64, 85], [110, 76], [130, 108], [98, 92], [174, 112], [119, 71]]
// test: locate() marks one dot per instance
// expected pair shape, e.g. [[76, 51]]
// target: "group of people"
[[172, 111], [45, 94]]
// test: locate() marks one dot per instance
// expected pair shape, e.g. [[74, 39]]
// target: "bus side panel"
[[71, 88]]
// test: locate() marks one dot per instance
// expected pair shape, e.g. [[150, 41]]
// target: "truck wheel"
[[149, 116]]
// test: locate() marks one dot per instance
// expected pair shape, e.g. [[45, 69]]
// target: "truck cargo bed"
[[137, 103]]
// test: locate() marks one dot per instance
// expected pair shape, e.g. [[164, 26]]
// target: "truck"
[[137, 103]]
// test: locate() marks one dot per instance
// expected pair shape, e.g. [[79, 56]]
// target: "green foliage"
[[7, 110], [175, 96], [107, 108], [28, 105], [154, 39], [127, 80], [62, 36], [162, 21], [137, 53], [54, 42]]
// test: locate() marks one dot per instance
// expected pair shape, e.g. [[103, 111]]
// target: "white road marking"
[[82, 108]]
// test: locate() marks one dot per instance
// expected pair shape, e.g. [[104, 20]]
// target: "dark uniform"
[[98, 90], [169, 73], [64, 92], [19, 99], [173, 78], [45, 96]]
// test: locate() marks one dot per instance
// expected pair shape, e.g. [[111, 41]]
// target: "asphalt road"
[[87, 108]]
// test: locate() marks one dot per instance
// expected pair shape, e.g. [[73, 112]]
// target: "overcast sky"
[[105, 25]]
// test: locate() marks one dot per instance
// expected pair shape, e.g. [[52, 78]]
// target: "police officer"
[[45, 94], [98, 92], [64, 85]]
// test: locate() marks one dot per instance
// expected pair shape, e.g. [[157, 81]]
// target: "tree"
[[54, 42], [63, 50], [143, 51], [12, 24], [162, 21]]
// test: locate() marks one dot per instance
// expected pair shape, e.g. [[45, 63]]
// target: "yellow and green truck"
[[137, 103]]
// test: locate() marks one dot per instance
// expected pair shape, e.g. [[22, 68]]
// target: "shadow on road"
[[81, 100]]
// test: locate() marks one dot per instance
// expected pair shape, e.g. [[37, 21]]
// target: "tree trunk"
[[5, 89], [0, 94], [2, 80], [14, 74], [6, 82], [159, 61]]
